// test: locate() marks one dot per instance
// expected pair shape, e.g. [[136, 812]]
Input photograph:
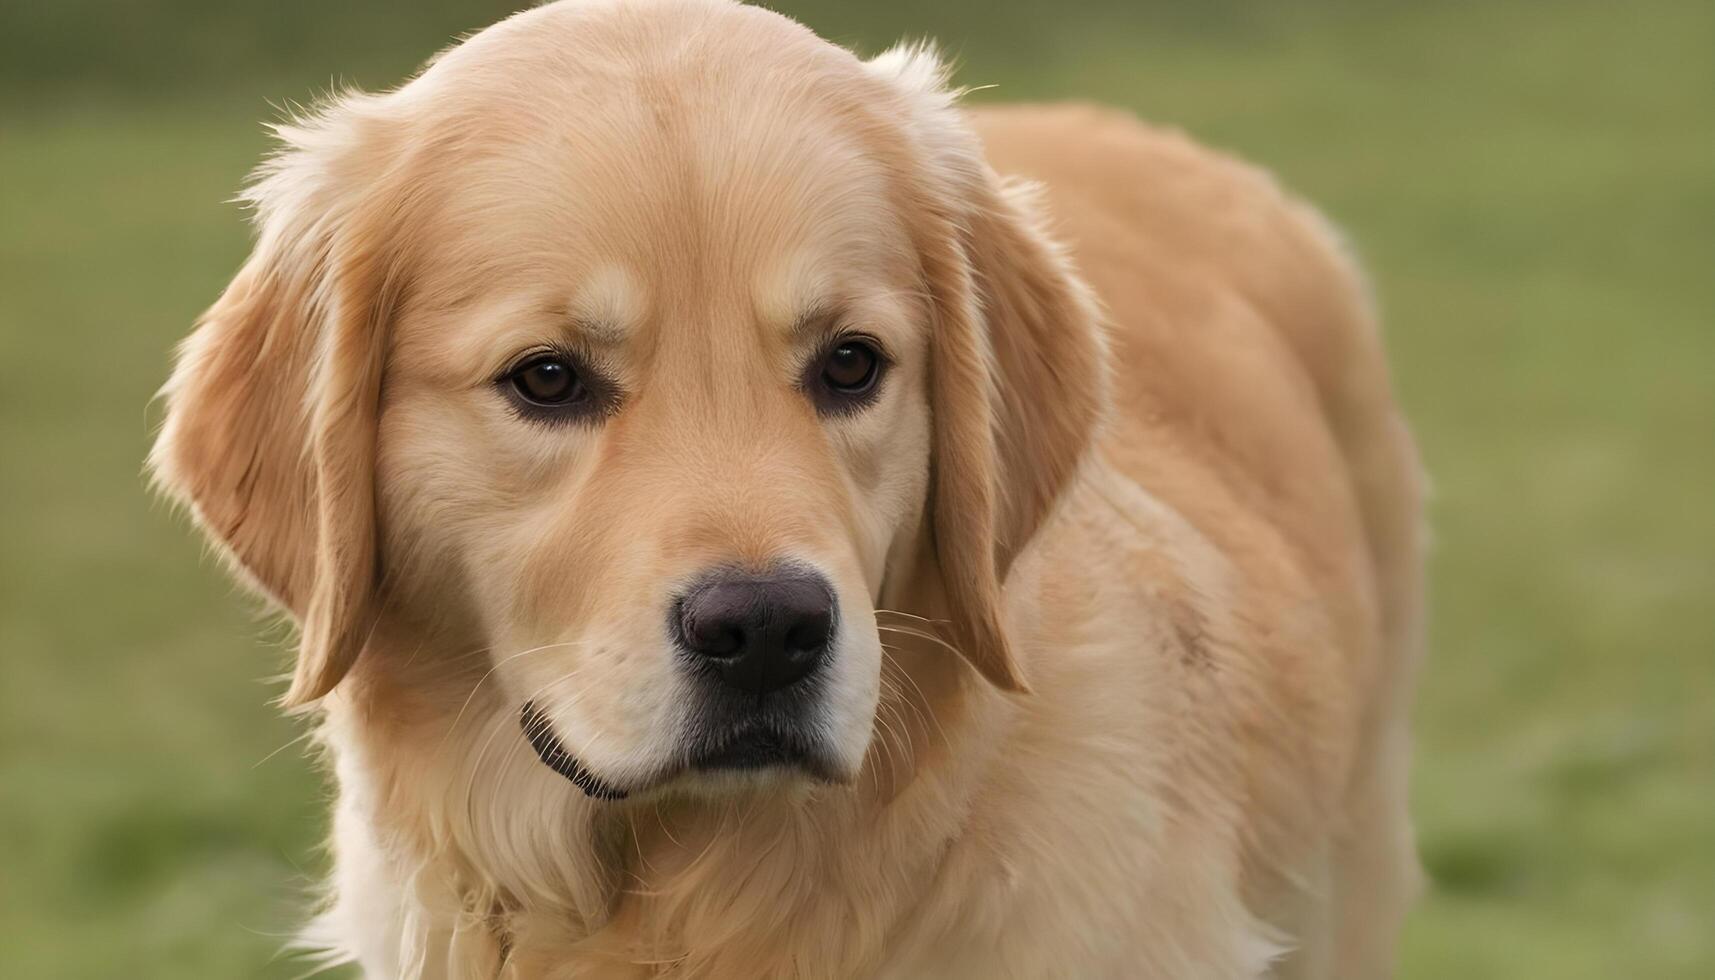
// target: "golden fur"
[[1128, 549]]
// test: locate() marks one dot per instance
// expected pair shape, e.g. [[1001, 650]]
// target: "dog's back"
[[1251, 396]]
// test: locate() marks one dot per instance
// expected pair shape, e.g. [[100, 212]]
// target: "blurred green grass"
[[1532, 185]]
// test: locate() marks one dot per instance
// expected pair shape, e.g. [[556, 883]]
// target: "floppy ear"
[[271, 408], [1018, 362]]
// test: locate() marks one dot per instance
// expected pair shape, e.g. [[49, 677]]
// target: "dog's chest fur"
[[980, 836]]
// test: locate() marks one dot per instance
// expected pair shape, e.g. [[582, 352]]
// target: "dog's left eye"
[[846, 375], [850, 368]]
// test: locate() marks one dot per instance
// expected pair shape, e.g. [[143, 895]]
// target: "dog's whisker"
[[887, 741], [908, 745], [498, 725], [661, 822], [291, 742], [880, 611], [922, 698], [490, 673], [920, 634], [887, 718]]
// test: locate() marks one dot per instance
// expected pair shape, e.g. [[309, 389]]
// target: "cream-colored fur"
[[1127, 550]]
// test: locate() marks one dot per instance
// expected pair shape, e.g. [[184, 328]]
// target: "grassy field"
[[1533, 186]]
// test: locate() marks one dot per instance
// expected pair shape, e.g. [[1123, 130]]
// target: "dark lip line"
[[554, 755], [539, 731]]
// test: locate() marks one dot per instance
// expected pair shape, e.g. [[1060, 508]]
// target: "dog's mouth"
[[553, 754], [744, 748], [751, 747]]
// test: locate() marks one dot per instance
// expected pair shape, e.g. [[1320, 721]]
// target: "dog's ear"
[[1018, 360], [269, 437]]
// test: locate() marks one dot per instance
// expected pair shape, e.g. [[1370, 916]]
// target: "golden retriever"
[[749, 516]]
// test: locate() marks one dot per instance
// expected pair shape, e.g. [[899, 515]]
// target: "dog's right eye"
[[548, 380], [553, 387]]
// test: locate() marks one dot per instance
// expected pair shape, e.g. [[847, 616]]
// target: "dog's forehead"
[[697, 166]]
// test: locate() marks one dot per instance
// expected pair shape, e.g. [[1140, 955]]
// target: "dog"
[[748, 515]]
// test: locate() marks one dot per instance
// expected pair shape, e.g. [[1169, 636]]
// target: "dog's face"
[[657, 407], [644, 348]]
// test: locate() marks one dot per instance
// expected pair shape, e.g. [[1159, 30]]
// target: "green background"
[[1532, 185]]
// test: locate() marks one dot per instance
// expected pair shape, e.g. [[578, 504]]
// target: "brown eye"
[[851, 368], [548, 381], [557, 387]]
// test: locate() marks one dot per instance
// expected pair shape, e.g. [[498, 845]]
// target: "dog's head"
[[649, 349]]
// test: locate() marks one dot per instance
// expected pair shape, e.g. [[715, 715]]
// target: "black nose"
[[759, 633]]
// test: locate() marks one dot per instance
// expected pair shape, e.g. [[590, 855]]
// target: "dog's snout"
[[759, 633]]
